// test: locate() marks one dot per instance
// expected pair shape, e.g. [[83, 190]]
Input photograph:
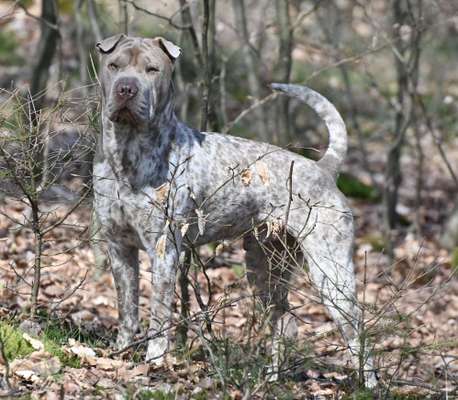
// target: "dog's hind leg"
[[269, 271], [328, 248]]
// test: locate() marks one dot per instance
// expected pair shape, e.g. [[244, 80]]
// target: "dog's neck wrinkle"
[[141, 157]]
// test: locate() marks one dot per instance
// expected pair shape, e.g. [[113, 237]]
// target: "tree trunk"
[[46, 50], [407, 34], [450, 237], [284, 68], [393, 170], [251, 62]]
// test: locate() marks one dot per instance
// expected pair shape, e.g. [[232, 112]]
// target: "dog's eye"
[[113, 67], [151, 69]]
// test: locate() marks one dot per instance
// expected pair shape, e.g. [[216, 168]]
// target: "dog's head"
[[135, 76]]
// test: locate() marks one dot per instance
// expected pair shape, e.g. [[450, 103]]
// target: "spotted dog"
[[161, 186]]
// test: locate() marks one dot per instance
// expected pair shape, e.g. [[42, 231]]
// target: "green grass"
[[377, 241], [367, 394], [54, 336], [351, 186], [154, 395], [15, 346], [8, 46], [239, 270], [455, 259]]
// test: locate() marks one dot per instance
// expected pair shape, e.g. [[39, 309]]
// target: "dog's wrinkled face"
[[135, 77]]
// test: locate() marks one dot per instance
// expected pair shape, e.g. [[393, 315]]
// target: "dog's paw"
[[123, 340], [272, 374], [157, 350], [371, 379]]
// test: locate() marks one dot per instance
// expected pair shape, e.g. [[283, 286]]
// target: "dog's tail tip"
[[337, 149], [280, 87], [287, 87]]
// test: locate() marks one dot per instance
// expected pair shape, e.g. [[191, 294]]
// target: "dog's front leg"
[[124, 265], [164, 267]]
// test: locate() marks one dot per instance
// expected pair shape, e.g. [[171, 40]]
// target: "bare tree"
[[406, 48], [206, 79], [45, 54], [251, 61], [284, 65]]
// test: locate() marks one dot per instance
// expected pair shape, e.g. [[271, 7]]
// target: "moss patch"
[[455, 259], [8, 47], [15, 346], [351, 186]]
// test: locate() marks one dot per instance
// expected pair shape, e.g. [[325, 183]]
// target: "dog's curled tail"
[[337, 148]]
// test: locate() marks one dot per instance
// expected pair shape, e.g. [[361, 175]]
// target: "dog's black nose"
[[126, 88]]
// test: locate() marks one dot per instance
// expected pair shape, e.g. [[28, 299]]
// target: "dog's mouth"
[[125, 116]]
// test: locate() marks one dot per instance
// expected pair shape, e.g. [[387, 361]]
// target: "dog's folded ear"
[[107, 45], [172, 50]]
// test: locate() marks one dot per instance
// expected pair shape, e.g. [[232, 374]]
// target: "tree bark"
[[206, 78], [284, 66], [46, 51], [251, 62], [450, 237]]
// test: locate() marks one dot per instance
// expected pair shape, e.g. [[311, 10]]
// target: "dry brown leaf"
[[200, 221], [184, 229], [27, 375], [160, 246], [38, 365], [101, 301], [219, 249], [106, 383], [108, 364], [35, 343], [246, 176], [162, 193], [54, 290], [273, 226], [138, 370], [263, 172], [78, 349]]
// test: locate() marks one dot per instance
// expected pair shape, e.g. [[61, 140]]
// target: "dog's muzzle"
[[125, 104], [126, 89]]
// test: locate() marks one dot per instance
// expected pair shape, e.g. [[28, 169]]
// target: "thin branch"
[[254, 106], [160, 16]]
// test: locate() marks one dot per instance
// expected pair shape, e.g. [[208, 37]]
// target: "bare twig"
[[170, 19], [257, 103]]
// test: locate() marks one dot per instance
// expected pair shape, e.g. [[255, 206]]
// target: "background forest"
[[390, 67]]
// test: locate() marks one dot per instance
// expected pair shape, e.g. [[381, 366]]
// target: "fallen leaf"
[[273, 226], [184, 229], [138, 370], [219, 249], [106, 383], [263, 172], [27, 375], [38, 365], [101, 301], [160, 246], [80, 350], [246, 176], [35, 343], [200, 221], [162, 193], [108, 364], [54, 291]]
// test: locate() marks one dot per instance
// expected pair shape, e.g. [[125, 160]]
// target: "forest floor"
[[411, 307]]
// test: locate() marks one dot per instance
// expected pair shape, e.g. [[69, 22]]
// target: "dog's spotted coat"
[[160, 185]]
